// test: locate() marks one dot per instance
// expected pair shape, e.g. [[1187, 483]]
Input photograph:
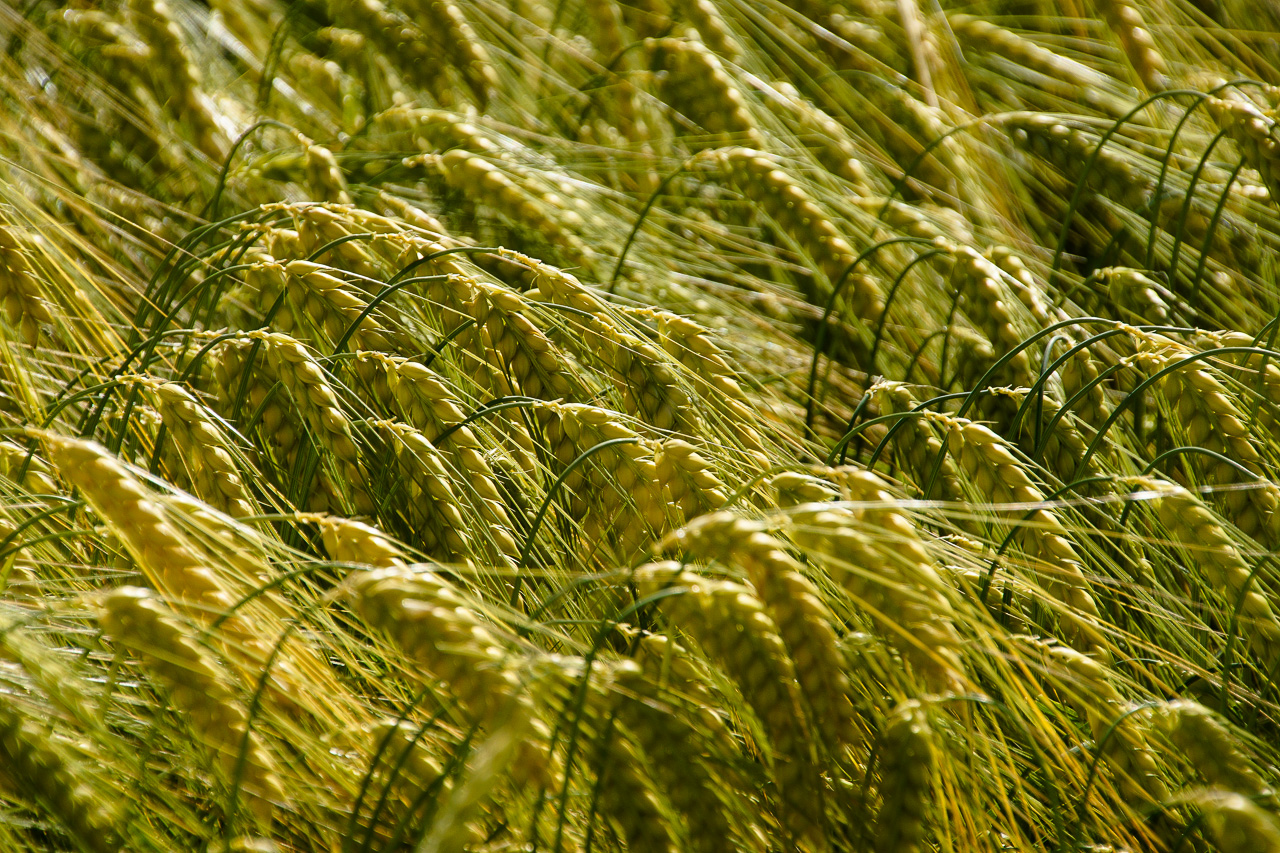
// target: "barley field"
[[640, 425]]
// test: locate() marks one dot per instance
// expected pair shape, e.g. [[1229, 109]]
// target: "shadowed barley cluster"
[[646, 425]]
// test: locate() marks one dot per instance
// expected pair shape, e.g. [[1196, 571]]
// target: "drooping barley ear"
[[40, 770], [712, 28], [294, 367], [1211, 547], [1063, 447], [622, 492], [676, 752], [418, 129], [39, 477], [1254, 132], [830, 142], [176, 75], [487, 182], [1078, 373], [228, 365], [428, 486], [629, 795], [793, 488], [1213, 749], [211, 467], [406, 763], [651, 386], [399, 38], [986, 300], [876, 555], [869, 36], [907, 759], [1088, 686], [431, 622], [1114, 175], [670, 667], [324, 176], [904, 125], [1139, 44], [20, 292], [322, 79], [515, 346], [1236, 823], [730, 622], [1018, 278], [997, 474], [351, 541], [917, 441], [1208, 415], [467, 51], [419, 220], [694, 346], [691, 484], [698, 85], [331, 305], [164, 554], [427, 404], [1136, 293], [203, 582], [199, 689], [803, 620], [762, 178], [1059, 74]]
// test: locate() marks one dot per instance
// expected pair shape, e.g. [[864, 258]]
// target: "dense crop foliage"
[[650, 425]]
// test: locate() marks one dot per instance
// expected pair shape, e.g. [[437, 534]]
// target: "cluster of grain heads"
[[1208, 414], [20, 291], [290, 363], [464, 48], [988, 303], [200, 690], [36, 475], [907, 759], [136, 515], [206, 451], [432, 623], [871, 549], [202, 585], [698, 86], [674, 747], [1213, 750], [178, 85], [1120, 730], [324, 176], [1236, 823], [627, 795], [995, 472], [434, 507], [620, 496], [803, 620], [781, 196], [1213, 549], [39, 769], [1115, 175], [1125, 20], [842, 660], [482, 180], [732, 624], [918, 442]]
